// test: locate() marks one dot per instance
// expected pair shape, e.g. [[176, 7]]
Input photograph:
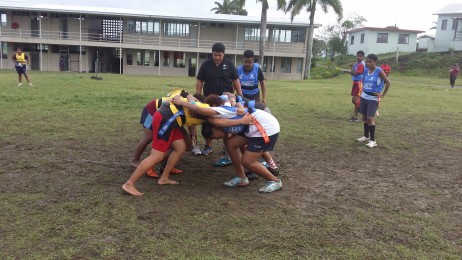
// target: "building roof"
[[390, 29], [111, 11], [455, 8]]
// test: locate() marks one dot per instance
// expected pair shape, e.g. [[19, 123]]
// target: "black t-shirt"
[[217, 79]]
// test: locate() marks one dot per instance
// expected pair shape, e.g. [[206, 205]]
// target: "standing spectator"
[[386, 68], [453, 73], [376, 85], [21, 61], [357, 70], [217, 75], [250, 74]]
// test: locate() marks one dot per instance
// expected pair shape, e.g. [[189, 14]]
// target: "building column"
[[40, 35], [80, 46]]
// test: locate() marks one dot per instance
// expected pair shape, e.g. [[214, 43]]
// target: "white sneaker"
[[20, 84], [362, 139], [377, 113], [30, 84], [371, 144], [196, 150]]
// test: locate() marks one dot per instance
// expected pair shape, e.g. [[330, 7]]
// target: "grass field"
[[66, 143]]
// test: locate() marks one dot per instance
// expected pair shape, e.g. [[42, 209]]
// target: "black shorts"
[[257, 144], [368, 107]]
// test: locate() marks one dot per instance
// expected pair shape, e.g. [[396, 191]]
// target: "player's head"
[[248, 59], [214, 100], [360, 55], [371, 60], [19, 50], [199, 97], [210, 131], [218, 52]]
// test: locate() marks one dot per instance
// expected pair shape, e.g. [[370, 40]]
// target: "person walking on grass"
[[375, 85], [357, 70], [453, 73], [21, 61]]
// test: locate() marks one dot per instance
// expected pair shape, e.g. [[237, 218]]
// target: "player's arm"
[[224, 122], [199, 84], [177, 100], [262, 80], [237, 86]]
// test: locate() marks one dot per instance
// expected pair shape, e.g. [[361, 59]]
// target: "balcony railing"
[[149, 40]]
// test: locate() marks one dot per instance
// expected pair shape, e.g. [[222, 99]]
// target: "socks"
[[372, 131], [366, 130], [272, 164]]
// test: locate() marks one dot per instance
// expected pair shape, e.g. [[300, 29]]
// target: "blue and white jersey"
[[358, 77], [249, 80], [372, 83]]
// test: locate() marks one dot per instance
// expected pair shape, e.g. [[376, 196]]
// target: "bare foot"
[[166, 182], [134, 164], [130, 189]]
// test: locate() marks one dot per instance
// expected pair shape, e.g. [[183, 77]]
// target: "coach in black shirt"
[[218, 75]]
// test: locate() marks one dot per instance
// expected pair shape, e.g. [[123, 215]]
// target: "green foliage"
[[327, 73]]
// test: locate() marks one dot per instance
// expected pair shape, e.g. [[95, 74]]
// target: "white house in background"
[[425, 43], [381, 40], [449, 28]]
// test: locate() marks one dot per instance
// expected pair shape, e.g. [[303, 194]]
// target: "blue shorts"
[[21, 68], [368, 107], [146, 119], [257, 144]]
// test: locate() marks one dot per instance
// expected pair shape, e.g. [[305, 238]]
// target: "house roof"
[[455, 8], [111, 11], [391, 29]]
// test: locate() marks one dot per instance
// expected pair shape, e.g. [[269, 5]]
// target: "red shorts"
[[160, 144], [357, 88]]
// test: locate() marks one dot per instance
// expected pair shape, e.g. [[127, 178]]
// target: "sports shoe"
[[173, 171], [20, 84], [275, 171], [377, 113], [237, 182], [263, 162], [371, 144], [224, 161], [196, 150], [207, 149], [152, 173], [251, 175], [271, 186], [354, 119], [362, 139], [30, 84]]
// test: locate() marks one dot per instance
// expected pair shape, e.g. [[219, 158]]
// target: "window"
[[156, 58], [139, 58], [265, 64], [444, 24], [4, 50], [299, 65], [3, 19], [166, 59], [352, 40], [129, 59], [362, 38], [382, 37], [403, 38], [147, 55], [253, 34], [454, 24], [286, 64], [176, 29], [143, 27], [282, 35], [179, 61]]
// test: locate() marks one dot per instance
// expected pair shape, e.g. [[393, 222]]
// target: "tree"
[[319, 48], [228, 7], [295, 6]]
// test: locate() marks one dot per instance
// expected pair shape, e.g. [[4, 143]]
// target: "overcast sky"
[[406, 14]]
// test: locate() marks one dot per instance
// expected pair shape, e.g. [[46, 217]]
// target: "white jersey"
[[268, 121]]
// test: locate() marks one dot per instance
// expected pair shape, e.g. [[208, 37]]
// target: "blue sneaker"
[[263, 162], [207, 149], [224, 161], [271, 186], [237, 182]]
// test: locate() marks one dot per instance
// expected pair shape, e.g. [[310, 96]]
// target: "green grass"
[[65, 145]]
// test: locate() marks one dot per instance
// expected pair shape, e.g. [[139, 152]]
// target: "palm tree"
[[228, 7], [295, 6]]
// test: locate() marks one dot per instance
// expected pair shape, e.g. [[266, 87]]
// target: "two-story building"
[[129, 41], [449, 29], [381, 40]]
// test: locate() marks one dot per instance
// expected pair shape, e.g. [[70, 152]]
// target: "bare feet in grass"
[[130, 189], [167, 182]]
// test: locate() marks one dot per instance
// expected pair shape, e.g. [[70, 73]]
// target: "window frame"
[[382, 38]]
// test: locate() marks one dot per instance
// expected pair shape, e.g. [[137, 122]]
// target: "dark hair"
[[373, 57], [199, 97], [218, 47], [248, 54], [206, 130], [361, 52], [213, 100]]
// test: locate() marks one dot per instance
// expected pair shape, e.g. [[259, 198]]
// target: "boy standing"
[[357, 70], [21, 61]]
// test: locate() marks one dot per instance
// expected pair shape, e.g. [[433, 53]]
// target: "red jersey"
[[454, 71], [386, 68]]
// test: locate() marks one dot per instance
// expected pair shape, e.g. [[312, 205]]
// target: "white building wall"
[[370, 44], [444, 38]]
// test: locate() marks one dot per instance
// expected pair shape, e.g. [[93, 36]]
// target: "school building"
[[125, 41]]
